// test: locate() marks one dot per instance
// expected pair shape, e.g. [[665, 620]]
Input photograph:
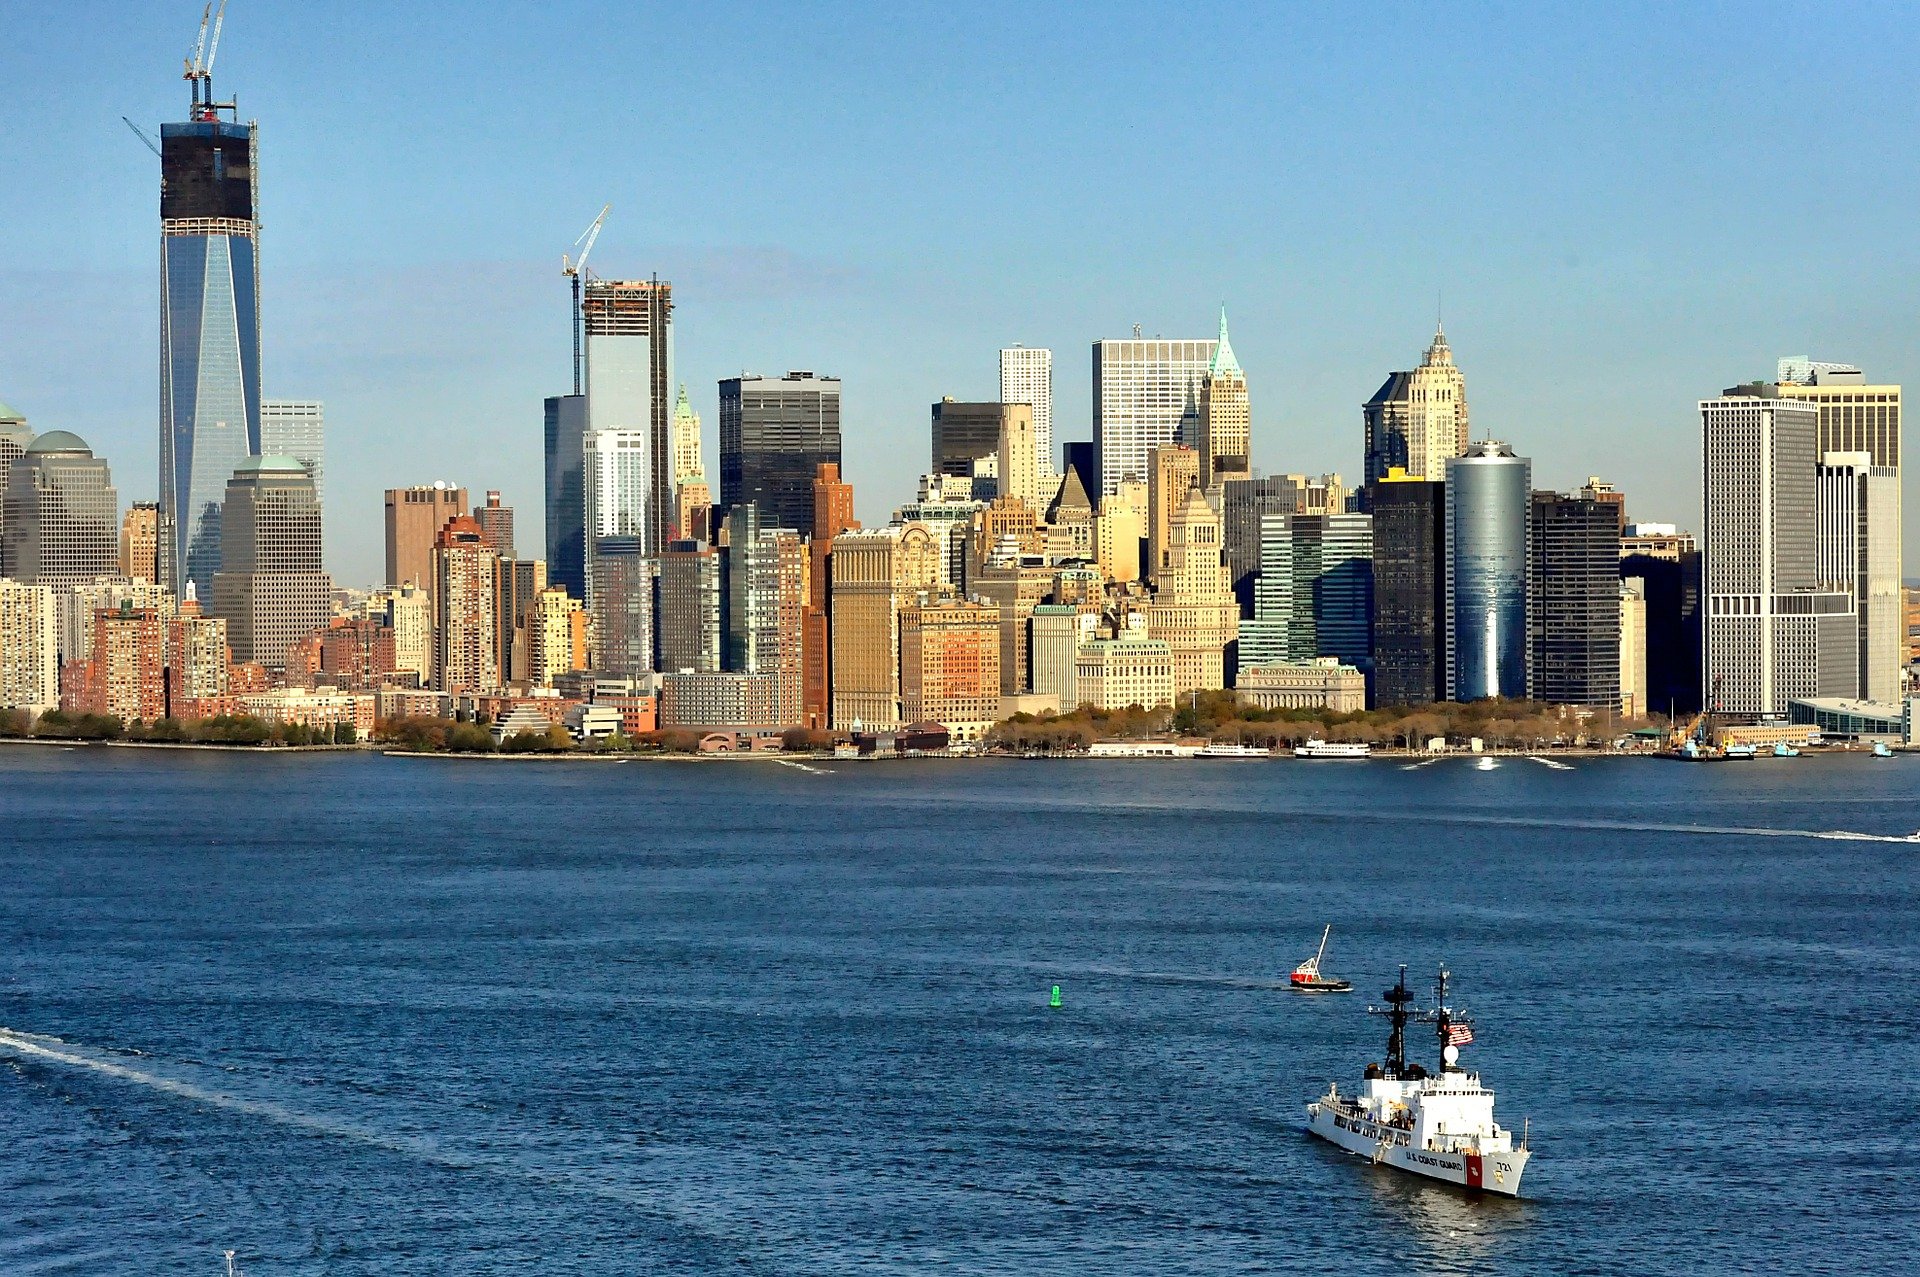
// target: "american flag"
[[1459, 1034]]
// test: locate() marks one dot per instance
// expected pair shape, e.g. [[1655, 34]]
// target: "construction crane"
[[573, 269], [199, 72], [146, 141]]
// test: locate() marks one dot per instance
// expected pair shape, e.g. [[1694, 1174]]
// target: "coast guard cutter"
[[1437, 1125]]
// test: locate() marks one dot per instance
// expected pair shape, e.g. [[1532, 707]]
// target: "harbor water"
[[346, 1014]]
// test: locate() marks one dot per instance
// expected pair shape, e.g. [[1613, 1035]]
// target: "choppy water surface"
[[354, 1015]]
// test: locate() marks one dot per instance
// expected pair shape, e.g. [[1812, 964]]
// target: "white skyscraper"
[[296, 428], [1774, 631], [1026, 376], [1859, 552], [619, 478], [1143, 388]]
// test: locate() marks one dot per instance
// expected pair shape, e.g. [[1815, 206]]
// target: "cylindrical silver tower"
[[1487, 494]]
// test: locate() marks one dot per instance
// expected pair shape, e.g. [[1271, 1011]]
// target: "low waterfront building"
[[719, 699], [324, 708], [1855, 719], [1323, 683], [1131, 669]]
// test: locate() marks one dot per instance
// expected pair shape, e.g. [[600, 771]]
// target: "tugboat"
[[1441, 1126], [1306, 977]]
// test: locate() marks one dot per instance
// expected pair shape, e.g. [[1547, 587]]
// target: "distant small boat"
[[1882, 750], [1742, 750], [1306, 977], [1784, 750]]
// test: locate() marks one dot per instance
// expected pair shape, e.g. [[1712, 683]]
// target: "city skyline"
[[454, 326]]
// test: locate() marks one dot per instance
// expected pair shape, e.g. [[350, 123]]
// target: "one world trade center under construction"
[[209, 323]]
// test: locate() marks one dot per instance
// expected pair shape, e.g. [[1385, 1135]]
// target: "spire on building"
[[1224, 364], [1438, 353]]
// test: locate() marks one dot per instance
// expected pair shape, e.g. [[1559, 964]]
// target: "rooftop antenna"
[[573, 270]]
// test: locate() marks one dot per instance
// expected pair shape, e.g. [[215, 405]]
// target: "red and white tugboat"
[[1438, 1126], [1307, 978]]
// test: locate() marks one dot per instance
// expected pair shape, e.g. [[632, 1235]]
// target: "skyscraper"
[[1418, 419], [209, 327], [1193, 608], [29, 648], [297, 428], [1225, 418], [619, 483], [1142, 390], [964, 434], [415, 517], [689, 617], [622, 608], [1409, 589], [774, 436], [1171, 470], [765, 582], [14, 438], [466, 619], [517, 583], [687, 465], [1488, 491], [1859, 516], [270, 589], [1314, 594], [1026, 376], [1018, 463], [61, 523], [1774, 631], [629, 356], [496, 521], [566, 499], [950, 665], [832, 515], [1574, 599], [866, 629], [140, 542]]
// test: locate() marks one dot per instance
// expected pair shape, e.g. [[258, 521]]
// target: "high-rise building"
[[566, 492], [1667, 564], [1143, 389], [950, 665], [496, 524], [775, 433], [1774, 632], [865, 629], [517, 584], [1418, 420], [1244, 502], [140, 541], [1409, 589], [622, 608], [1314, 593], [965, 435], [1069, 521], [1488, 492], [765, 571], [209, 328], [1019, 464], [297, 428], [356, 656], [619, 484], [1633, 648], [1859, 551], [687, 465], [1854, 416], [270, 588], [693, 511], [14, 438], [557, 636], [199, 661], [1026, 376], [629, 363], [1225, 418], [29, 648], [1573, 594], [1193, 609], [126, 674], [1120, 532], [407, 610], [832, 514], [415, 517], [1127, 670], [1058, 630], [688, 620], [466, 610], [77, 607], [946, 507], [1171, 471], [62, 515]]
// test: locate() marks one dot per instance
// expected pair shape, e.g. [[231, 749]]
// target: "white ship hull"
[[1493, 1172]]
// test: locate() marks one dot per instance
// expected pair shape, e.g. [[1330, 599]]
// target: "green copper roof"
[[1223, 360], [7, 413], [681, 407]]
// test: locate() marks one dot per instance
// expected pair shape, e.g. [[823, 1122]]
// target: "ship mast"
[[1398, 998]]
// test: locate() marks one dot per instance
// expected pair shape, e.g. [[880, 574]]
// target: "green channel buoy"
[[1054, 1001]]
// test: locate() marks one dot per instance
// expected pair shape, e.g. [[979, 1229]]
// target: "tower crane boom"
[[573, 269]]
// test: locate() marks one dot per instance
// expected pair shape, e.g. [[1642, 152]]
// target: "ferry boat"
[[1405, 1118], [1307, 977], [1740, 750], [1317, 748], [1232, 751]]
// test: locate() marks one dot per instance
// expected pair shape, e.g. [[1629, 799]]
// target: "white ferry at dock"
[[1317, 748], [1441, 1126]]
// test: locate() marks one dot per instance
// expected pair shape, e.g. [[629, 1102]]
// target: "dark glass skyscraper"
[[1409, 590], [566, 431], [209, 332], [1574, 596], [774, 436]]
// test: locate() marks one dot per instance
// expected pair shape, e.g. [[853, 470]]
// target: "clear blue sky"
[[1626, 207]]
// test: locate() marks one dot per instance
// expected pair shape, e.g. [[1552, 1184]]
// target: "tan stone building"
[[1171, 471], [29, 648], [1193, 609], [466, 611], [1129, 669], [1418, 419], [557, 636], [1633, 647], [1120, 530], [1322, 683], [415, 517], [140, 541], [864, 605], [1225, 417], [950, 665], [1019, 459]]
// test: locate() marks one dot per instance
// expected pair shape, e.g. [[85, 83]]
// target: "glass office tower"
[[209, 336], [1488, 533]]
